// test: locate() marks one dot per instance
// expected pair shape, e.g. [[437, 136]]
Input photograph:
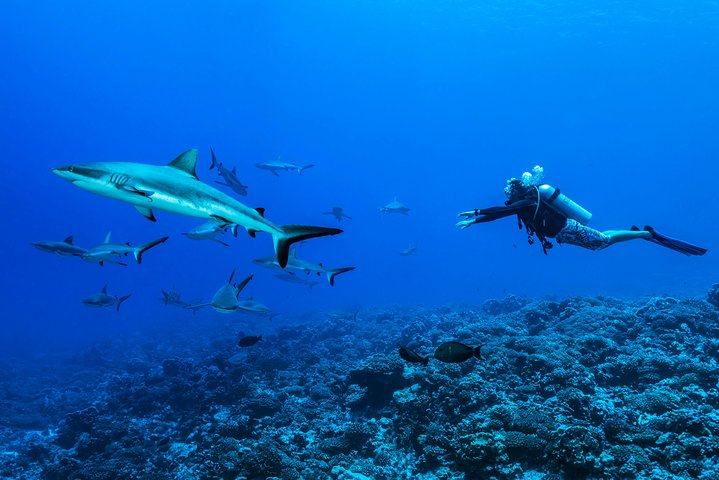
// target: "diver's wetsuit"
[[545, 223]]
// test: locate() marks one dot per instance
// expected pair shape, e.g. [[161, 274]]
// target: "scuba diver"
[[544, 211]]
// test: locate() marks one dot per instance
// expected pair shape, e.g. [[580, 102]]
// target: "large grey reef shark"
[[229, 176], [66, 248], [175, 188]]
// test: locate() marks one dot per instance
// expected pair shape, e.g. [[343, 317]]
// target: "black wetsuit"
[[543, 221]]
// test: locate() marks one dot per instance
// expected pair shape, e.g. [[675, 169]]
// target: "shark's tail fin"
[[302, 169], [214, 159], [296, 233], [331, 274], [146, 246], [120, 300]]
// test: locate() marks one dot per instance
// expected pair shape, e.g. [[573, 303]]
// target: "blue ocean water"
[[436, 103]]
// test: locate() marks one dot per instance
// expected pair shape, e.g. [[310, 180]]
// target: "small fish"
[[455, 352], [248, 341], [411, 357]]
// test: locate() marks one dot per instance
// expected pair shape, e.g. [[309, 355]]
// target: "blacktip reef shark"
[[339, 213], [296, 264], [229, 176], [106, 251], [227, 297], [395, 206], [104, 300], [290, 277], [278, 165], [66, 248], [210, 230], [411, 250], [253, 307], [175, 188]]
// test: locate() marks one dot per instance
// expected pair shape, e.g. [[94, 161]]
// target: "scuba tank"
[[563, 204]]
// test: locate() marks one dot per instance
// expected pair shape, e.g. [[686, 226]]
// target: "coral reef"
[[579, 388]]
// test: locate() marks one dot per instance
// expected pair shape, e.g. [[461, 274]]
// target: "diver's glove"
[[469, 214], [466, 223]]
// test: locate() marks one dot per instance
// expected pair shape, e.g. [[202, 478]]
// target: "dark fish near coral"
[[455, 352], [411, 357], [248, 341]]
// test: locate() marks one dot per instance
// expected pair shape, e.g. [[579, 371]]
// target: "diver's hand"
[[469, 213], [465, 223]]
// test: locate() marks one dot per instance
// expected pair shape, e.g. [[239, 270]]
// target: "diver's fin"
[[674, 244], [296, 233], [331, 274], [146, 212], [186, 162], [69, 240], [138, 251]]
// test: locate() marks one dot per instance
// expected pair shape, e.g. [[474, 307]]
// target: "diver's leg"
[[616, 236]]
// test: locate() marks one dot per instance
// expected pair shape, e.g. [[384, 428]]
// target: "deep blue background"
[[434, 102]]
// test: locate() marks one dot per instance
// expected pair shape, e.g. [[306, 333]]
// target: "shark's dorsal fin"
[[186, 162], [261, 211], [69, 240], [107, 237], [104, 289]]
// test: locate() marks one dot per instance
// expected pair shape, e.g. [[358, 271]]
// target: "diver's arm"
[[493, 213]]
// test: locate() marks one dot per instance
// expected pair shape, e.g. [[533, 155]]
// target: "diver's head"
[[515, 190]]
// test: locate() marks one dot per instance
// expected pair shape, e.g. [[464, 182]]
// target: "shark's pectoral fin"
[[252, 233], [275, 173], [146, 212], [139, 191], [221, 183]]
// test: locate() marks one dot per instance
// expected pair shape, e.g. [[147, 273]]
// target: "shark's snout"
[[65, 173]]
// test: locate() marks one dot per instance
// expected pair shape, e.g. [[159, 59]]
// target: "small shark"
[[277, 165], [175, 188], [251, 307], [229, 176], [106, 251], [292, 278], [66, 248], [173, 297], [338, 213], [411, 250], [395, 207], [298, 265], [226, 298], [209, 230], [104, 300]]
